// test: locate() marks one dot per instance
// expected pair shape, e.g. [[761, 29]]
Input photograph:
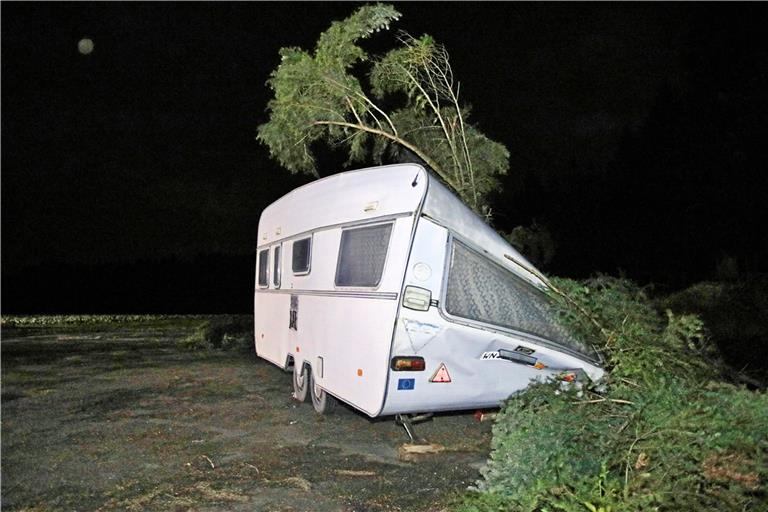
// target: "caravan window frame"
[[309, 255], [277, 264], [497, 328], [260, 258], [363, 225]]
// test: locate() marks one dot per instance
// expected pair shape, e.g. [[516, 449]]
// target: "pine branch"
[[429, 161]]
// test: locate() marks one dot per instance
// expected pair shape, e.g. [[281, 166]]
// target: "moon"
[[85, 46]]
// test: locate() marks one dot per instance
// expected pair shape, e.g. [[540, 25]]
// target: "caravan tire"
[[301, 378], [321, 401]]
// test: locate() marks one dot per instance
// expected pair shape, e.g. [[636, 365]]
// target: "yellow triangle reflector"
[[441, 375]]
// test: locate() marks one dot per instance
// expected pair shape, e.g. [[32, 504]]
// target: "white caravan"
[[380, 288]]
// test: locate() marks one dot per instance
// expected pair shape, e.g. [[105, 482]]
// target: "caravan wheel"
[[321, 401], [300, 382]]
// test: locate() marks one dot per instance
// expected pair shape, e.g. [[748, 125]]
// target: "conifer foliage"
[[406, 101]]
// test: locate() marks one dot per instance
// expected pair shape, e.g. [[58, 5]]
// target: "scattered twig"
[[209, 461], [652, 432], [627, 423], [599, 400], [629, 452], [630, 382], [410, 452], [353, 472], [740, 377]]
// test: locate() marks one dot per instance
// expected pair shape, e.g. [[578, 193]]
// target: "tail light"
[[408, 364]]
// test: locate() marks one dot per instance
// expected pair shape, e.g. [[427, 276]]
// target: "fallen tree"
[[666, 430]]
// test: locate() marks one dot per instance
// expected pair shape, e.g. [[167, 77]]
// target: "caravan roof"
[[382, 192]]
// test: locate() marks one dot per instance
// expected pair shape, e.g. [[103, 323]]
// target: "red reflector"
[[441, 375], [568, 377], [408, 364]]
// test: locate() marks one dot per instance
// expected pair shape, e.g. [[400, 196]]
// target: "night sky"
[[132, 180]]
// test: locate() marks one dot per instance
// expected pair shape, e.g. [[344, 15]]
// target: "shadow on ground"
[[124, 419]]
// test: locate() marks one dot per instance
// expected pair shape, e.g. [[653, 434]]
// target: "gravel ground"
[[125, 419]]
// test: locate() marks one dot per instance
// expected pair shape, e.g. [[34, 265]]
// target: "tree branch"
[[351, 106], [439, 117], [607, 334], [451, 143], [367, 100], [443, 67], [465, 146], [429, 161]]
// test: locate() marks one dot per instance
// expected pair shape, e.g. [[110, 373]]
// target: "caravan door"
[[270, 306]]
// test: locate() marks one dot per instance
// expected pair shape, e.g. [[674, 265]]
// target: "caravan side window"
[[362, 255], [263, 268], [276, 267], [302, 253]]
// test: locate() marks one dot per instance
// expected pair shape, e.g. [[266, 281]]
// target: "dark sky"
[[637, 131]]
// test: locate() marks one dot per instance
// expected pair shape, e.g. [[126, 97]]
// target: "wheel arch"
[[290, 362]]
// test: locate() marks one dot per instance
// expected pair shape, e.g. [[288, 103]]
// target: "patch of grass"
[[8, 396], [226, 332], [219, 390], [80, 321], [170, 497], [17, 377], [103, 402], [664, 431]]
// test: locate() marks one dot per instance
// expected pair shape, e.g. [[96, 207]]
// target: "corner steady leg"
[[407, 422]]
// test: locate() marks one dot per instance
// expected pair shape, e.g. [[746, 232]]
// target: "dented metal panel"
[[486, 364]]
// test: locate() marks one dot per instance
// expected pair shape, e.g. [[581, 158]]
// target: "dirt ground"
[[124, 419]]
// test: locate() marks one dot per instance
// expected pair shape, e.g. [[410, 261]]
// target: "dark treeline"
[[683, 193], [212, 283]]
